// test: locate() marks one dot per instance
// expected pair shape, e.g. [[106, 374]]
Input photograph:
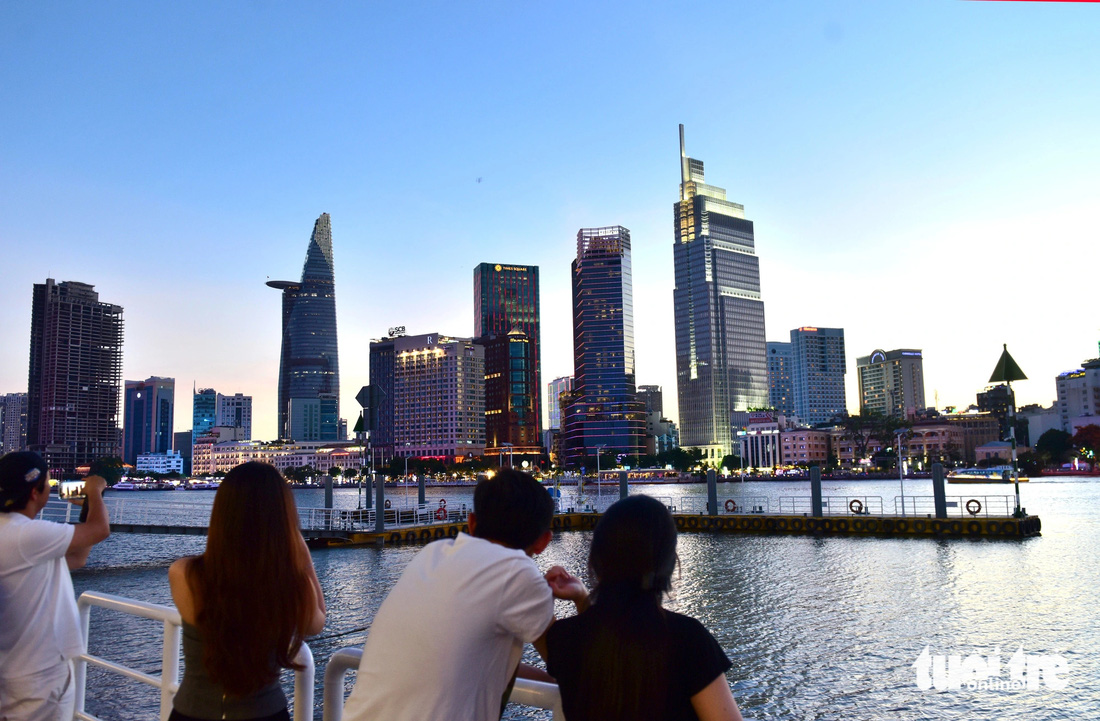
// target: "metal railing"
[[525, 692], [959, 506], [744, 504], [168, 680], [832, 505]]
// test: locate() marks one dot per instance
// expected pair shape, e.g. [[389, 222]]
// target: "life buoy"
[[441, 514], [442, 502], [855, 506], [388, 504], [973, 506], [731, 506]]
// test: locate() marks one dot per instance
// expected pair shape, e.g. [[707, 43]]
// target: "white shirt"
[[41, 626], [447, 639]]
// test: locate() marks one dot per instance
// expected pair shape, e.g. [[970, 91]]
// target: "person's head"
[[252, 589], [513, 509], [633, 549], [24, 482]]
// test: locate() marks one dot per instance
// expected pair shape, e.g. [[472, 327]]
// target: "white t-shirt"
[[40, 626], [447, 639]]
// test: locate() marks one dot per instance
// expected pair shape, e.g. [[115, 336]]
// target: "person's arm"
[[181, 589], [320, 612], [95, 529], [715, 702], [567, 587]]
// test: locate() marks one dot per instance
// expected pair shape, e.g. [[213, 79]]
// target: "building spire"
[[685, 172]]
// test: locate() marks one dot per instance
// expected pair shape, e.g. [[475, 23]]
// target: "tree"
[[110, 468], [1087, 441], [351, 473], [732, 462], [336, 471], [1054, 447]]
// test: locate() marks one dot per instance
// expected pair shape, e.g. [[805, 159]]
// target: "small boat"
[[124, 486], [993, 474]]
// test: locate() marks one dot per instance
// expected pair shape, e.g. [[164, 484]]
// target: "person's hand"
[[96, 484], [566, 586]]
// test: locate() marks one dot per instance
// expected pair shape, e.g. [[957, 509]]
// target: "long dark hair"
[[254, 597], [631, 562]]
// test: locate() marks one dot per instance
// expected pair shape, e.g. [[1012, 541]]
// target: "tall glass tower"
[[721, 365], [309, 367], [506, 323], [602, 413]]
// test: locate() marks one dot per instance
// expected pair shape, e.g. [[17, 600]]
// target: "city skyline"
[[911, 197]]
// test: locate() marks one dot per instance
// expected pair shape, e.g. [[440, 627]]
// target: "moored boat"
[[993, 474]]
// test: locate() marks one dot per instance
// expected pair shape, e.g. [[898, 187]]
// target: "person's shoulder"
[[681, 623]]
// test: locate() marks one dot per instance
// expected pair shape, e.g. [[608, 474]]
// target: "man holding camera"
[[40, 632]]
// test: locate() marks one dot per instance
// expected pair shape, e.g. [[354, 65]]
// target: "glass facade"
[[780, 391], [554, 389], [149, 407], [817, 375], [603, 410], [506, 323], [721, 365], [309, 367]]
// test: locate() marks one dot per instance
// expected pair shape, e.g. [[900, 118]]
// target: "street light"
[[599, 487], [901, 475]]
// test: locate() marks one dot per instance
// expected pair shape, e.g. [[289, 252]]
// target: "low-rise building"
[[168, 462], [804, 446]]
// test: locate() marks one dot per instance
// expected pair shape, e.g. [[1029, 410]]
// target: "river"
[[817, 628]]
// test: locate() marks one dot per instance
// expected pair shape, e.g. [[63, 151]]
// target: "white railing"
[[525, 692], [832, 505], [960, 506], [168, 680], [744, 504]]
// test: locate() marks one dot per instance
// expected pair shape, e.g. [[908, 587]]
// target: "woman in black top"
[[626, 657]]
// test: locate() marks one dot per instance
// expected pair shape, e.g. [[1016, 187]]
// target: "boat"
[[993, 474], [124, 486]]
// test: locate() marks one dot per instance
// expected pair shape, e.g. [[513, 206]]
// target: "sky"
[[921, 174]]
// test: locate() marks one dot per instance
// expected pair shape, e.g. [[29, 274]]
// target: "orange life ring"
[[442, 502], [855, 506], [441, 514], [731, 506]]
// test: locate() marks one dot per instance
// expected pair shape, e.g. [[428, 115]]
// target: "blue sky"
[[922, 174]]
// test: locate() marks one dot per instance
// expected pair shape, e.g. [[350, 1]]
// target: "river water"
[[817, 628]]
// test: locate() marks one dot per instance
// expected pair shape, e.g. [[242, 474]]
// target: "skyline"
[[172, 158]]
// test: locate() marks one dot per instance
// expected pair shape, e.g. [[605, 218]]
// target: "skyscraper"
[[309, 367], [817, 374], [554, 389], [506, 323], [147, 422], [780, 391], [13, 422], [603, 414], [75, 375], [211, 409], [652, 399], [891, 382], [720, 356]]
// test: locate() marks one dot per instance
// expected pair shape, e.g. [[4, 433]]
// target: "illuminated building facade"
[[438, 397], [149, 413], [309, 366], [506, 324], [75, 375], [891, 382], [554, 389], [780, 390], [603, 411], [721, 365], [13, 422]]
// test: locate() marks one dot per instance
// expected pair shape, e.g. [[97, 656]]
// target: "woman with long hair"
[[625, 656], [246, 603]]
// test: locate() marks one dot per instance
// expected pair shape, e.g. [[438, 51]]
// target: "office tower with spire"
[[75, 375], [309, 366], [721, 365], [602, 413], [506, 323]]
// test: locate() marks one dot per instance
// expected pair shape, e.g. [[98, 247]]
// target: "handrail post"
[[303, 685], [80, 666], [170, 668]]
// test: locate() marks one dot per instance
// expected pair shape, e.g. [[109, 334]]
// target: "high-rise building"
[[506, 323], [721, 366], [1079, 396], [780, 368], [603, 414], [652, 399], [379, 414], [554, 389], [147, 422], [438, 397], [891, 383], [309, 367], [75, 375], [13, 422], [204, 412], [235, 411], [817, 374]]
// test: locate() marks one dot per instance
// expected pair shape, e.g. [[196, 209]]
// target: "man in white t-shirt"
[[447, 641], [40, 630]]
